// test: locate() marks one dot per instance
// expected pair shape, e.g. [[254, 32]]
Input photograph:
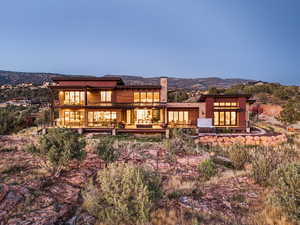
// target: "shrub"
[[31, 148], [106, 150], [287, 190], [60, 146], [14, 119], [124, 194], [266, 160], [239, 156], [207, 169]]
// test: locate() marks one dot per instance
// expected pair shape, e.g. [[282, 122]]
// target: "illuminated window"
[[148, 96], [105, 96], [156, 97], [73, 118], [225, 105], [74, 97], [143, 96], [216, 118], [233, 118], [221, 118], [178, 117], [171, 118], [101, 118], [227, 118], [143, 116], [136, 96]]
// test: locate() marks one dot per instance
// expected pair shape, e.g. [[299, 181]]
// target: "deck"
[[126, 130]]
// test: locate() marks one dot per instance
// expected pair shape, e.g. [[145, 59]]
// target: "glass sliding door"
[[226, 118], [143, 116]]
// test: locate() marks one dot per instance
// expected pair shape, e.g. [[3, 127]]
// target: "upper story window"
[[146, 96], [105, 96], [226, 105], [74, 98]]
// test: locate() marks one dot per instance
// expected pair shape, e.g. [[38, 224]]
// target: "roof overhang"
[[86, 78], [204, 97]]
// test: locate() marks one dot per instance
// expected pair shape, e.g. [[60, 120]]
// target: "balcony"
[[94, 104]]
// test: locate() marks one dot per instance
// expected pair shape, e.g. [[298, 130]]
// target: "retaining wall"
[[262, 140]]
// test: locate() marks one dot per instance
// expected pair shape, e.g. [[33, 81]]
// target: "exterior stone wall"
[[259, 140]]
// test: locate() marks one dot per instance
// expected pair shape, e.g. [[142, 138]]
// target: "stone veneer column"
[[164, 95], [164, 89]]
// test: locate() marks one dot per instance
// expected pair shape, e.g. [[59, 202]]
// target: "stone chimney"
[[164, 89]]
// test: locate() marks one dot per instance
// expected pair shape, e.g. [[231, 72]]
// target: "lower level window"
[[178, 117], [226, 118], [99, 117], [73, 118]]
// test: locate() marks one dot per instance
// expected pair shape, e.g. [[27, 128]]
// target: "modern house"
[[107, 104]]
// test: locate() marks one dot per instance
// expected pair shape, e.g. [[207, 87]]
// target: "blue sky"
[[257, 39]]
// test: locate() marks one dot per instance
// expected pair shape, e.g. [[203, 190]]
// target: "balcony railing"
[[114, 104]]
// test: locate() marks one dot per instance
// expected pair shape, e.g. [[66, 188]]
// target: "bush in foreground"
[[59, 147], [287, 190], [239, 156], [207, 169], [124, 194], [266, 160], [283, 204], [106, 151]]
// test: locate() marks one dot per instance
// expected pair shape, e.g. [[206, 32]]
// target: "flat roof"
[[139, 87], [203, 97], [85, 78]]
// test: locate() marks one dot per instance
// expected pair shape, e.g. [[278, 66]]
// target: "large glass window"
[[73, 118], [225, 118], [105, 96], [146, 96], [74, 97], [101, 118], [178, 117], [143, 116]]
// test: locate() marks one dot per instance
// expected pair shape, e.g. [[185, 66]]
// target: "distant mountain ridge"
[[14, 78]]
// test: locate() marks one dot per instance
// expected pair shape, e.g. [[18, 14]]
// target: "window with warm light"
[[73, 118], [226, 113], [225, 105], [74, 97], [98, 118], [178, 117], [226, 118], [105, 96], [146, 96]]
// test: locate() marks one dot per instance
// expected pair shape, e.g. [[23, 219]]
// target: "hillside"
[[14, 78]]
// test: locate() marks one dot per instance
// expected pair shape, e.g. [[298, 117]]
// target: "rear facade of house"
[[106, 103]]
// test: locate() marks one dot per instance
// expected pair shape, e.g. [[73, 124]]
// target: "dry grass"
[[271, 215]]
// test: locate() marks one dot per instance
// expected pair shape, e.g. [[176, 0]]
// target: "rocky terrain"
[[29, 195]]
